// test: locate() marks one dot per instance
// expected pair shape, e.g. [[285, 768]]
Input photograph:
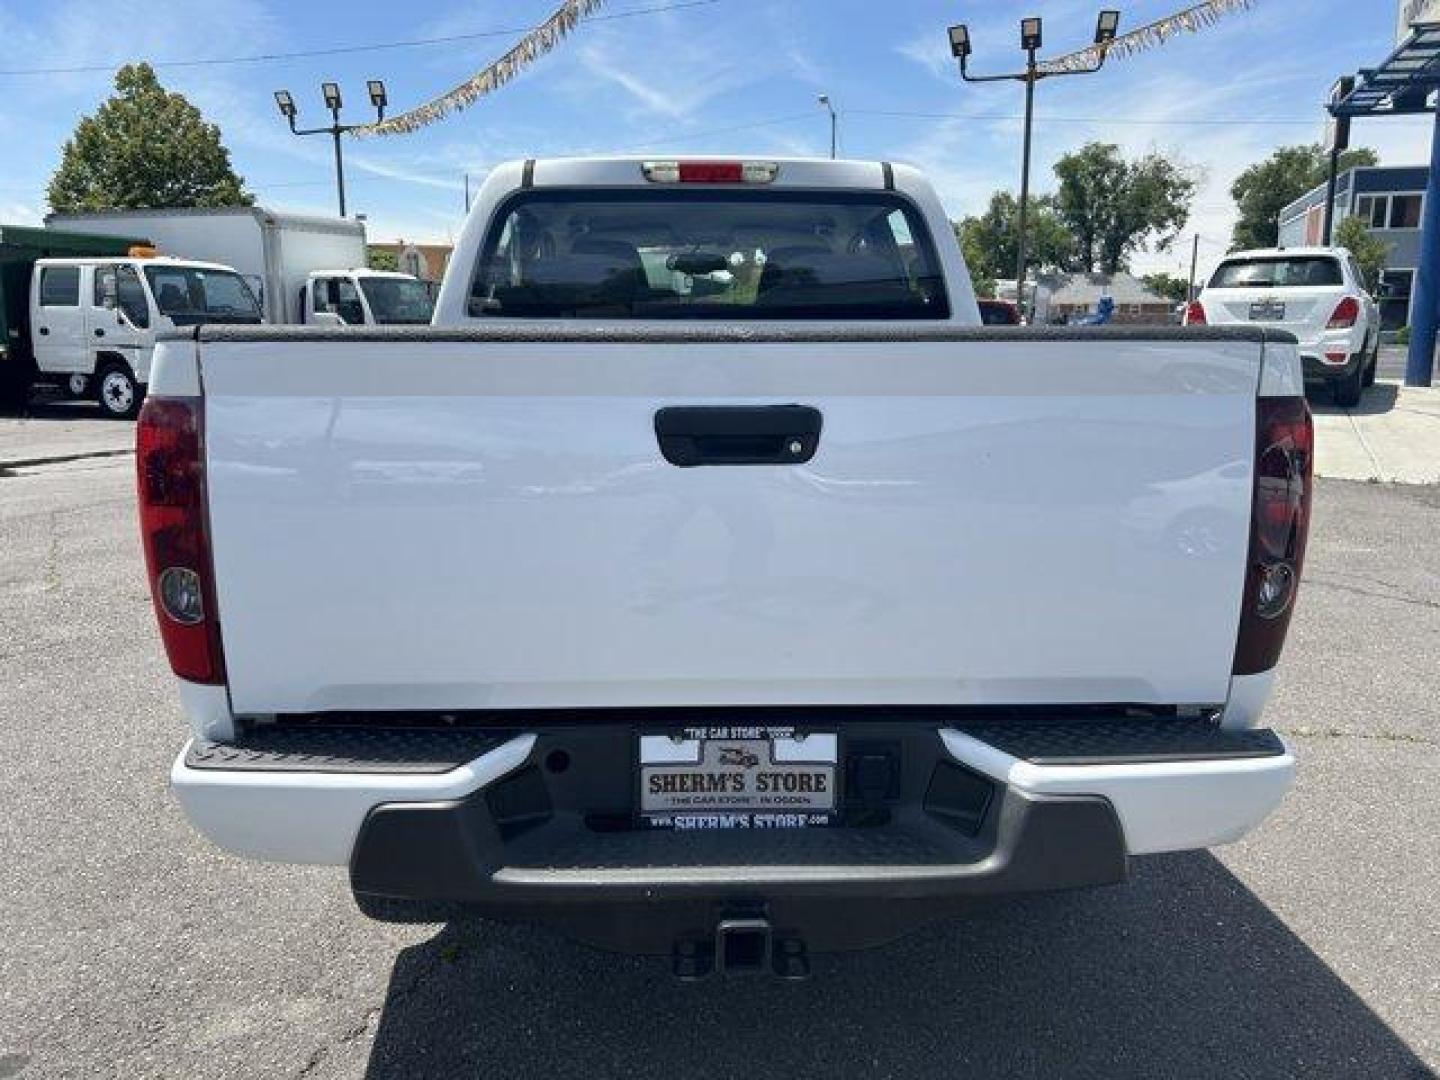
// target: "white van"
[[94, 322]]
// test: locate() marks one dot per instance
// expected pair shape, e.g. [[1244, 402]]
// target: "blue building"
[[1390, 200]]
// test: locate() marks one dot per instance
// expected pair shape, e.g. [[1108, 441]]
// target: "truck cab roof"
[[363, 271], [630, 171], [138, 261]]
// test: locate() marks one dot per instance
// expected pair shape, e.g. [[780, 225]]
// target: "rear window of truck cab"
[[60, 286], [1278, 273], [712, 254]]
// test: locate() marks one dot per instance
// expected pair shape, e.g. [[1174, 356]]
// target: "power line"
[[1108, 120], [343, 50], [660, 140]]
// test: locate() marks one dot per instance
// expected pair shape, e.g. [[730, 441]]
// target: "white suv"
[[1317, 294]]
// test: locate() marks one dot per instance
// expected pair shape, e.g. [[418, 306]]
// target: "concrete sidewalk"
[[1393, 435]]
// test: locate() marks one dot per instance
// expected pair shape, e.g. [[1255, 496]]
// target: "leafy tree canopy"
[[989, 241], [1113, 207], [1267, 187], [145, 147], [1169, 286], [1369, 250], [383, 259]]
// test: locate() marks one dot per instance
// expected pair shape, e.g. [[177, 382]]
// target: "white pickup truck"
[[707, 582]]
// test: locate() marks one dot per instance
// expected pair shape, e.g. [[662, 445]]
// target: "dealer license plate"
[[737, 778]]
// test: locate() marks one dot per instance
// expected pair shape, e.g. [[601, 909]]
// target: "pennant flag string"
[[526, 51], [1192, 20]]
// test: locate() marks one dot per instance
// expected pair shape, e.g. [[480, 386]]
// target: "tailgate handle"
[[746, 435]]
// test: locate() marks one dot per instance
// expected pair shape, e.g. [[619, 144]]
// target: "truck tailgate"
[[443, 521]]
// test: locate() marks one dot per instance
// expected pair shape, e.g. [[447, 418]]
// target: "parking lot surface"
[[129, 947]]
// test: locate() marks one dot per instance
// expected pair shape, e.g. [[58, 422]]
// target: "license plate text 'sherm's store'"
[[707, 778]]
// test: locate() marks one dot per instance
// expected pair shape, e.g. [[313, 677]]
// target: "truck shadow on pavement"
[[56, 408], [1183, 972], [1376, 401]]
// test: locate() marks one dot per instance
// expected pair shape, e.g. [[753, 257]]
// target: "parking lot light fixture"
[[333, 101], [960, 41], [1030, 35], [1107, 26]]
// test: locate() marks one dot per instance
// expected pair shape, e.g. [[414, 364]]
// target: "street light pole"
[[1031, 39], [1020, 243], [331, 91], [339, 168], [834, 122], [1337, 136]]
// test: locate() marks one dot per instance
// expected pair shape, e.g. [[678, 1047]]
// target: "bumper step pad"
[[344, 750], [1128, 741]]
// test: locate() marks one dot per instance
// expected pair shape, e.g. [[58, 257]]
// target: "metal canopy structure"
[[1402, 86]]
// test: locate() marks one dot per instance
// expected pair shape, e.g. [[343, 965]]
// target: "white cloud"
[[21, 213]]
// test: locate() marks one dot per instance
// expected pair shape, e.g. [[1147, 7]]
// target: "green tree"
[[1267, 187], [990, 240], [145, 147], [1169, 286], [1369, 250], [382, 259], [1112, 206]]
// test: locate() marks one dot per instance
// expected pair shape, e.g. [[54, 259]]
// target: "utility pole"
[[1106, 27], [467, 193], [1194, 262], [334, 129]]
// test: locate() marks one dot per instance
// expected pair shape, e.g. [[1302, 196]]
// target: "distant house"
[[425, 261], [1062, 298]]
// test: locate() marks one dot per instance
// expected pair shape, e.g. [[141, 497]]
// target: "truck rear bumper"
[[499, 831], [302, 807]]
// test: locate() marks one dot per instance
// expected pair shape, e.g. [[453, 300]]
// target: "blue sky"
[[724, 75]]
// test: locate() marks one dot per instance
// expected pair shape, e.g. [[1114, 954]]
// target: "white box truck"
[[275, 252]]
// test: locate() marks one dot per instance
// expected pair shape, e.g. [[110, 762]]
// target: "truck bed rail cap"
[[731, 333]]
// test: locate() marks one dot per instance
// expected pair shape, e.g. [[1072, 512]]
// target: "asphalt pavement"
[[130, 947]]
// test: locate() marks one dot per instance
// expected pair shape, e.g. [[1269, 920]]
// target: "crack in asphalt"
[[394, 998], [345, 1038], [8, 468], [1366, 736], [1399, 596]]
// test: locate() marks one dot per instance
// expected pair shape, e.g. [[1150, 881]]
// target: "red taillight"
[[1195, 314], [1347, 314], [1279, 525], [170, 472]]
